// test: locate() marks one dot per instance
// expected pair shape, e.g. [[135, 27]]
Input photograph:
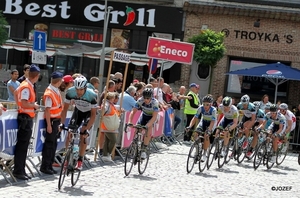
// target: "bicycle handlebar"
[[138, 126]]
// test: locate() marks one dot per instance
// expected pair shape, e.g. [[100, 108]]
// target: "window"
[[250, 84], [203, 71]]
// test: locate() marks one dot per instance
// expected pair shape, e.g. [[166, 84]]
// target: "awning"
[[80, 50]]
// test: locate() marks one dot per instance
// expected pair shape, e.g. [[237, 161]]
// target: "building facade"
[[256, 34]]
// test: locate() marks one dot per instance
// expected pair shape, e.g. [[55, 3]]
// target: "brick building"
[[256, 34]]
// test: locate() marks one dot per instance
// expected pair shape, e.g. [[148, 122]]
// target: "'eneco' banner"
[[8, 131]]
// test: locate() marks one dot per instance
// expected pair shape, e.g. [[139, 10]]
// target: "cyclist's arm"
[[63, 114], [133, 111], [280, 128], [92, 118], [211, 125], [289, 126], [193, 121], [235, 123], [253, 118], [153, 119]]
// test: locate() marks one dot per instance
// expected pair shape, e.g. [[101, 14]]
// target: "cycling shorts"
[[275, 127], [78, 117], [144, 119]]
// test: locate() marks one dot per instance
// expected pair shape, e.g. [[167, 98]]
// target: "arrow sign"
[[39, 41]]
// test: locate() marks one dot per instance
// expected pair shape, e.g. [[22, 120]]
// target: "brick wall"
[[275, 40]]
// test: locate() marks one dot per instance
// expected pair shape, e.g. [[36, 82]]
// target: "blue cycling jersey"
[[209, 115], [249, 111], [260, 114], [280, 119], [84, 103], [147, 109]]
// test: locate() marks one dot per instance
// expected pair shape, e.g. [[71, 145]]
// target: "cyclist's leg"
[[247, 126], [206, 143], [227, 123], [143, 120], [73, 125], [255, 136], [84, 134]]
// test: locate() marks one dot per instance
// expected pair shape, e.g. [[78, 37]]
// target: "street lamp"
[[102, 58]]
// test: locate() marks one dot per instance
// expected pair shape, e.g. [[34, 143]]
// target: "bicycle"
[[196, 152], [70, 161], [216, 149], [264, 152], [281, 153], [133, 155]]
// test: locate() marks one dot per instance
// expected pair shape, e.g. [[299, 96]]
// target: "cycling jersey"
[[147, 109], [206, 117], [280, 119], [249, 111], [210, 115], [260, 115], [290, 116], [231, 114], [85, 103]]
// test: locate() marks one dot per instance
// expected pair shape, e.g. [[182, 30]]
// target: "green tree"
[[209, 49], [3, 29]]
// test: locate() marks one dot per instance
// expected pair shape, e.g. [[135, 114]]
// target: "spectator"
[[74, 76], [26, 103], [110, 135], [190, 109], [26, 73], [139, 90], [264, 101], [118, 85], [53, 109], [218, 101], [94, 84], [111, 88], [153, 82], [128, 99], [12, 85], [296, 135], [118, 75], [135, 81]]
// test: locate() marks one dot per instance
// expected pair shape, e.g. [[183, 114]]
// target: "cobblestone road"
[[166, 177]]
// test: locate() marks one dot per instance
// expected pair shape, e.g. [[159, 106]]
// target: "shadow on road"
[[76, 191], [276, 172], [286, 168], [142, 177], [226, 170], [206, 175]]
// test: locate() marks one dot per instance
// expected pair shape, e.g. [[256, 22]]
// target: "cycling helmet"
[[208, 99], [283, 106], [148, 93], [273, 108], [80, 82], [227, 101], [256, 104], [245, 99], [268, 106]]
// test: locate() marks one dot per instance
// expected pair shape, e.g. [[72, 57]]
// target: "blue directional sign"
[[39, 41]]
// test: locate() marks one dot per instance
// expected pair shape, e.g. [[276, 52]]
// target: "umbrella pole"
[[276, 88]]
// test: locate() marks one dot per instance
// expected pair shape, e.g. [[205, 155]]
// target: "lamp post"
[[102, 57]]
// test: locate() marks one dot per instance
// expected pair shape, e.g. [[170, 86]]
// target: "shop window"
[[250, 84], [203, 71]]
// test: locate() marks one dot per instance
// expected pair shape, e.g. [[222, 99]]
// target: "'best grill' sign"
[[170, 50]]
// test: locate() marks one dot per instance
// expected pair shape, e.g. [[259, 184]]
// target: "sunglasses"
[[273, 112], [206, 104], [147, 98]]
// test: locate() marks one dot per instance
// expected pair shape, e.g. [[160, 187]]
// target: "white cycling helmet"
[[80, 82], [283, 106], [245, 99]]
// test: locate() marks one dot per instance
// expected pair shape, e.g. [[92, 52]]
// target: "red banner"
[[170, 50]]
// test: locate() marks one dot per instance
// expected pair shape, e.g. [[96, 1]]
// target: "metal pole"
[[276, 87], [102, 58]]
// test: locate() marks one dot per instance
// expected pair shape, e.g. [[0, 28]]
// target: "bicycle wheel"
[[64, 169], [222, 159], [75, 174], [281, 155], [212, 154], [202, 164], [130, 158], [259, 155], [269, 155], [231, 150], [142, 163], [192, 159], [241, 153], [299, 159]]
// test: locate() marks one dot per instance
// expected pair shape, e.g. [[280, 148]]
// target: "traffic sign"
[[39, 57], [39, 41]]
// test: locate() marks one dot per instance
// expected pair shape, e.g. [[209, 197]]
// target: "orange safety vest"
[[28, 111], [57, 105], [113, 111]]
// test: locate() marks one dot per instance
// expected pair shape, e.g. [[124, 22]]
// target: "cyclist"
[[208, 121], [277, 127], [290, 119], [85, 101], [267, 109], [260, 114], [249, 116], [150, 108], [229, 120]]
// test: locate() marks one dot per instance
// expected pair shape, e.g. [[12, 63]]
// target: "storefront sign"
[[69, 33], [260, 36], [91, 13], [171, 50]]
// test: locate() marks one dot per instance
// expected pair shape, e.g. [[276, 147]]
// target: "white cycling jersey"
[[290, 116]]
